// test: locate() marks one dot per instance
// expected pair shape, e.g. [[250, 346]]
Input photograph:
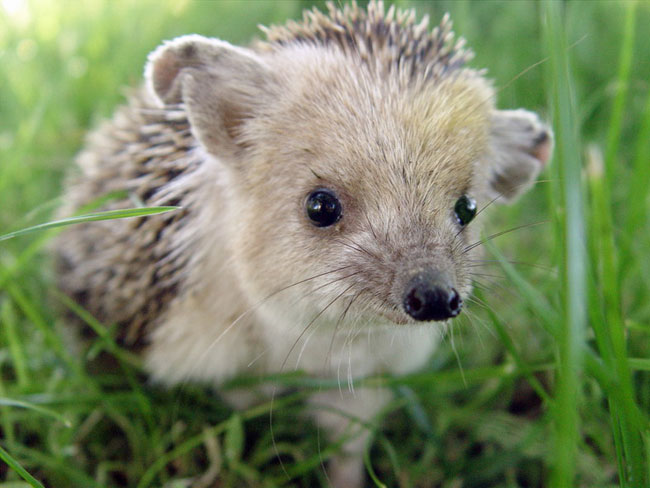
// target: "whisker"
[[492, 289], [458, 360], [500, 195], [250, 310], [503, 232], [339, 321], [493, 284], [535, 65], [357, 247], [497, 289], [320, 456], [482, 286], [479, 212], [478, 302], [304, 345], [275, 446], [388, 227], [476, 319], [357, 331], [487, 275], [486, 262], [338, 368], [520, 74], [256, 358], [465, 322], [372, 230], [352, 333], [273, 442], [311, 323], [341, 278]]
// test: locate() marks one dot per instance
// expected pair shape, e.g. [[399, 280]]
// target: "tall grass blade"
[[92, 217], [9, 325], [567, 168], [17, 467], [623, 85], [638, 190], [11, 402], [625, 415]]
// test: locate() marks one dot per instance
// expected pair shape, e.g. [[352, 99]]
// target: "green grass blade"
[[639, 182], [16, 466], [623, 84], [11, 402], [47, 461], [636, 211], [521, 364], [122, 354], [532, 296], [623, 409], [567, 167], [9, 325], [625, 414], [548, 315], [641, 364], [370, 470], [32, 311], [191, 443], [34, 247], [92, 217]]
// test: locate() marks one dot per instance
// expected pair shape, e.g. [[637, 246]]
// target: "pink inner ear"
[[542, 152]]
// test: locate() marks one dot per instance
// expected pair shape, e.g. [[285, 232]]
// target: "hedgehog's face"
[[349, 194]]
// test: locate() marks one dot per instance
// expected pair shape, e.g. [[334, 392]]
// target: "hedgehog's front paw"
[[343, 413], [345, 471]]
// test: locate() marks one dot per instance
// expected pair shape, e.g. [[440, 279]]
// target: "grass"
[[549, 385]]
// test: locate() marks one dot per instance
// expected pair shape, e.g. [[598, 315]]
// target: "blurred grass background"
[[550, 386]]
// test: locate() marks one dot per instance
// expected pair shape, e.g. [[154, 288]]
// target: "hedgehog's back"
[[125, 271]]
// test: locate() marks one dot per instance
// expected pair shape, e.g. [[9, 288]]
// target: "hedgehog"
[[327, 178]]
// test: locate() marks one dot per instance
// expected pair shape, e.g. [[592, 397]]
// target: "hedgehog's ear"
[[520, 146], [221, 86]]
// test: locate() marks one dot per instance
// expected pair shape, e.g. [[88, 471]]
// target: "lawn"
[[544, 382]]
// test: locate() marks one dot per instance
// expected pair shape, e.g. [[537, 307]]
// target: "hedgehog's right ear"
[[221, 86]]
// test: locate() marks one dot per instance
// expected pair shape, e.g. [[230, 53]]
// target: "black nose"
[[425, 300]]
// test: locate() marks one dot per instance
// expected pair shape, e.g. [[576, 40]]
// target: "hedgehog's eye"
[[323, 208], [465, 210]]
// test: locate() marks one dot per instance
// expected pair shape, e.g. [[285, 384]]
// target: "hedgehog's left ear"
[[220, 84], [520, 146]]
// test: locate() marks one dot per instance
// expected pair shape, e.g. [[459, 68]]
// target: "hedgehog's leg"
[[345, 413]]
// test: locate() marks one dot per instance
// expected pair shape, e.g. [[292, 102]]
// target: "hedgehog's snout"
[[428, 297]]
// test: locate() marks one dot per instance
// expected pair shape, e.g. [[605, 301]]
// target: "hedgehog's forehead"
[[426, 145], [368, 129]]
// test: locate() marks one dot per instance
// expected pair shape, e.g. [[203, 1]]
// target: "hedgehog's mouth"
[[395, 315], [399, 318]]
